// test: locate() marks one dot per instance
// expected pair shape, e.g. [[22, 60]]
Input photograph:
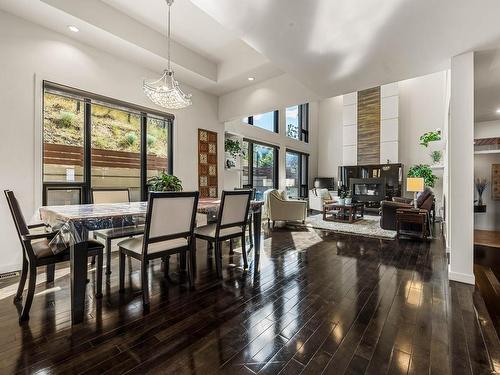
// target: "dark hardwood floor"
[[321, 303]]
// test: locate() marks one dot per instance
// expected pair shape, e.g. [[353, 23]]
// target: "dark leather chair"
[[37, 252], [388, 209]]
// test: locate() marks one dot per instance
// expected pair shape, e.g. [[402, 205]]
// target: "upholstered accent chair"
[[318, 198], [277, 208]]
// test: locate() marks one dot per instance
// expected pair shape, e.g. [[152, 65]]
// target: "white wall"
[[422, 107], [461, 169], [330, 135], [487, 129], [31, 53]]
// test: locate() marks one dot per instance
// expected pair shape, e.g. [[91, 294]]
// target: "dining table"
[[74, 222]]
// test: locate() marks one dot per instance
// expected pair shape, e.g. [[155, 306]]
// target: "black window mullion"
[[276, 122], [144, 156], [87, 151], [170, 152], [276, 167]]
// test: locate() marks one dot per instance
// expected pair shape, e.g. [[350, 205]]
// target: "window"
[[94, 142], [267, 121], [297, 122], [296, 168], [260, 167]]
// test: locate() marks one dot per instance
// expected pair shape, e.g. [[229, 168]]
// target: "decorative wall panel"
[[207, 164], [369, 126], [495, 182]]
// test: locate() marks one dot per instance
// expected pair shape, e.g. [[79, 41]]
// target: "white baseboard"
[[462, 277]]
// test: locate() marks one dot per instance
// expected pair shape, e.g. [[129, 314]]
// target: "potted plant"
[[348, 198], [425, 172], [436, 157], [481, 185], [342, 197], [232, 147], [164, 182], [432, 139]]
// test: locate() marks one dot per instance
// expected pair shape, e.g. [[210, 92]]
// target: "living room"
[[319, 168]]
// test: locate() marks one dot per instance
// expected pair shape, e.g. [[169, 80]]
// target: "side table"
[[412, 222]]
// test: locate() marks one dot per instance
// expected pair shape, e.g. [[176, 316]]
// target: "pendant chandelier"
[[165, 91]]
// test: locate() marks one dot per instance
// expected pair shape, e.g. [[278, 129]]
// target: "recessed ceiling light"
[[498, 110], [251, 78], [73, 28]]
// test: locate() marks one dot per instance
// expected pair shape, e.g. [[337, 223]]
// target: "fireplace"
[[370, 191]]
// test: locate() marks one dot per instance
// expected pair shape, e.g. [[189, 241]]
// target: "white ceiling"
[[334, 47], [487, 85]]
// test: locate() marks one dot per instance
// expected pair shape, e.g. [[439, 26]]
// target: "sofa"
[[277, 207], [425, 201], [318, 197]]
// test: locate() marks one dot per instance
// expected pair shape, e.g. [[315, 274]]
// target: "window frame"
[[303, 183], [87, 100], [275, 123], [302, 122], [275, 148]]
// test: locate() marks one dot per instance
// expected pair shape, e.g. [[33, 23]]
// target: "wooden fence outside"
[[73, 155]]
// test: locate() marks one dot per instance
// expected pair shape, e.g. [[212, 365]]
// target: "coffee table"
[[343, 212]]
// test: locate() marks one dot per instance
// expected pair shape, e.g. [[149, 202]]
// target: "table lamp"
[[289, 182], [415, 185]]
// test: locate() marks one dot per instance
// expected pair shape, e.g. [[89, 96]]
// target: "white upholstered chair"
[[279, 209], [231, 223], [100, 196], [170, 222]]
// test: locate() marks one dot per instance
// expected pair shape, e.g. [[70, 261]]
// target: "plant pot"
[[348, 201], [342, 201]]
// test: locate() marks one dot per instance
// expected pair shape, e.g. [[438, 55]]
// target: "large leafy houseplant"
[[232, 147], [165, 182], [430, 136], [425, 172]]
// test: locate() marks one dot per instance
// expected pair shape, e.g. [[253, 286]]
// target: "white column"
[[350, 129], [389, 123], [461, 169]]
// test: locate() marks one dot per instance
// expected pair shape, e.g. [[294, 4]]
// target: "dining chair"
[[250, 220], [114, 196], [169, 228], [37, 253], [231, 223]]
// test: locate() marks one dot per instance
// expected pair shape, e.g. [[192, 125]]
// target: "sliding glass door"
[[259, 167]]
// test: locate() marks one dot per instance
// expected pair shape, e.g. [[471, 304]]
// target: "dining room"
[[159, 161]]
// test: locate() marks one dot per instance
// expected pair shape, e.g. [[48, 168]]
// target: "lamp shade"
[[415, 184], [289, 182]]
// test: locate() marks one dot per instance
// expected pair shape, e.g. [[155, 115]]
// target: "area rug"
[[369, 226]]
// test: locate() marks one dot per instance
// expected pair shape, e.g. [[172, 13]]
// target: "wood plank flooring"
[[320, 303]]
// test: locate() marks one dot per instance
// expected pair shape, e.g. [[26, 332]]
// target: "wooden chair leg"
[[98, 292], [250, 232], [166, 264], [183, 260], [122, 271], [108, 257], [231, 250], [218, 259], [192, 262], [22, 282], [244, 251], [51, 272], [144, 283], [25, 315]]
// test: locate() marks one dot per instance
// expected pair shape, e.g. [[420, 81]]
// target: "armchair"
[[279, 209], [388, 209], [318, 197]]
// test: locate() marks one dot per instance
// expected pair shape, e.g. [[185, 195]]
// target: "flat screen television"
[[324, 183]]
